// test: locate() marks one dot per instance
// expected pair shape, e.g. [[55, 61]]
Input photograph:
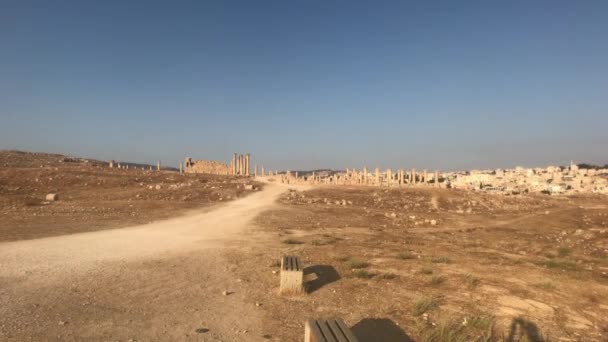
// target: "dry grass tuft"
[[425, 304]]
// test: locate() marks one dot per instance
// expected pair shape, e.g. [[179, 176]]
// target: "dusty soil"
[[165, 281], [396, 265], [436, 265], [94, 197]]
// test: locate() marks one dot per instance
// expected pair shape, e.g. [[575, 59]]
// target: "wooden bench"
[[292, 275], [328, 330]]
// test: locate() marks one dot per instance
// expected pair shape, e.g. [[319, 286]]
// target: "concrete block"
[[292, 275]]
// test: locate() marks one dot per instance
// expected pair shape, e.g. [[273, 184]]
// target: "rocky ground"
[[92, 196], [437, 265], [412, 264]]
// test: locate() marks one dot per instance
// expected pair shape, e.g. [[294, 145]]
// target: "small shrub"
[[356, 264], [330, 240], [363, 274], [561, 264], [547, 285], [471, 280], [406, 256], [342, 258], [426, 270], [564, 252], [445, 331], [388, 276], [519, 292], [293, 242], [478, 328], [441, 260], [425, 304], [481, 322], [437, 280]]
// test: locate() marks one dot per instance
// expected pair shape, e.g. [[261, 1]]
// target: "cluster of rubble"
[[550, 180]]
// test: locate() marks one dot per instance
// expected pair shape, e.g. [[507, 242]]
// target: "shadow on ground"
[[521, 328], [325, 274], [379, 329]]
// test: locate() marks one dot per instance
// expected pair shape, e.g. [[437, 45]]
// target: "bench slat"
[[314, 332], [348, 334], [327, 333], [331, 330], [340, 336]]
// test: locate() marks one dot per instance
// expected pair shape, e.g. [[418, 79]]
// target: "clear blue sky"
[[308, 84]]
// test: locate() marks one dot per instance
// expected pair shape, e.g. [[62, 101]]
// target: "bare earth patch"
[[94, 197], [490, 267]]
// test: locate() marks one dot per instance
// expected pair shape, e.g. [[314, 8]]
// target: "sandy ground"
[[161, 281], [491, 268], [94, 197], [524, 268]]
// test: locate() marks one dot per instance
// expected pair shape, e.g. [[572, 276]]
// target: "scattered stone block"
[[292, 275], [249, 187], [52, 197], [328, 330]]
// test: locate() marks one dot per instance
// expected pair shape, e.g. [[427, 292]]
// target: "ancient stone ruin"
[[238, 167]]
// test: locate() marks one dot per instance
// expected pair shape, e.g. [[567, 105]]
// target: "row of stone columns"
[[378, 178], [240, 164]]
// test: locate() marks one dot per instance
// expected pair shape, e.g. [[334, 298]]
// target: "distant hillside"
[[38, 159]]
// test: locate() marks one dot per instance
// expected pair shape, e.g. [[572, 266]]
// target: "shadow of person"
[[379, 329], [322, 274], [521, 327]]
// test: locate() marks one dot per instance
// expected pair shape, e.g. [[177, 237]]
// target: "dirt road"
[[160, 281]]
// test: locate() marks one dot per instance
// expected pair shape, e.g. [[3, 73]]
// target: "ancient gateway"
[[238, 167]]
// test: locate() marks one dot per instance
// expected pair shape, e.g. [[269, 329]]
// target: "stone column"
[[111, 163], [389, 177], [262, 170], [424, 177], [296, 174], [377, 171], [158, 165], [234, 164], [181, 168], [413, 176], [241, 168], [436, 178], [255, 171], [247, 165], [365, 175]]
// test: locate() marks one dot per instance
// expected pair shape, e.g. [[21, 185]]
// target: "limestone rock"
[[52, 197]]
